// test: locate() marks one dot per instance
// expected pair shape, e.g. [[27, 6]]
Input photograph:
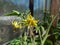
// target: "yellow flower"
[[15, 24], [30, 17], [30, 21]]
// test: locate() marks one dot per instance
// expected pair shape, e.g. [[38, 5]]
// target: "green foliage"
[[48, 42], [41, 29], [19, 14], [16, 42], [14, 13], [57, 29]]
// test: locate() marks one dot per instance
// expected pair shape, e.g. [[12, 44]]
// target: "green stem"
[[53, 34], [42, 43], [40, 36], [47, 31]]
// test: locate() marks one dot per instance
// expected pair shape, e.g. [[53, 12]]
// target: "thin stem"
[[54, 34], [40, 35]]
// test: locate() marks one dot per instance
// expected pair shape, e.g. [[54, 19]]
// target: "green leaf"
[[17, 43], [30, 44], [13, 13], [16, 12], [12, 43], [42, 28], [56, 36], [37, 29], [25, 43], [48, 42]]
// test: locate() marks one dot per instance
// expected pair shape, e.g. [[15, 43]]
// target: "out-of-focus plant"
[[30, 25], [57, 31]]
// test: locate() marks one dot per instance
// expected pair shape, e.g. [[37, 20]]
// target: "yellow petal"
[[17, 26], [30, 17], [14, 23]]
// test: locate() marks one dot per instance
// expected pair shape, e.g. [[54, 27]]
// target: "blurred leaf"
[[30, 44], [48, 42], [56, 36], [25, 43], [42, 28], [14, 13]]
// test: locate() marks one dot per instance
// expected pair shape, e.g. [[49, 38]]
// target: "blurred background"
[[38, 7]]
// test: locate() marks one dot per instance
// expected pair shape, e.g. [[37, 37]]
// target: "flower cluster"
[[30, 21]]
